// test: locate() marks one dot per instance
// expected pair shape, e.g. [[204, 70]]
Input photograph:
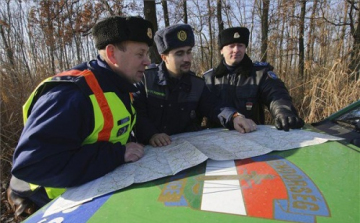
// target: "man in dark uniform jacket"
[[249, 86], [78, 123], [172, 99]]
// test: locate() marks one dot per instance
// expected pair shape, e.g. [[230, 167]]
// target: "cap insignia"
[[149, 33], [236, 35], [182, 36]]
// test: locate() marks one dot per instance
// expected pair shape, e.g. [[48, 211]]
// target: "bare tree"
[[219, 18], [185, 12], [354, 24], [311, 38], [355, 32], [166, 12], [219, 15], [210, 15], [8, 49], [301, 44], [264, 28], [200, 53], [150, 14]]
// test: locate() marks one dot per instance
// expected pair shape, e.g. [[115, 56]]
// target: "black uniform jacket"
[[249, 88], [171, 106]]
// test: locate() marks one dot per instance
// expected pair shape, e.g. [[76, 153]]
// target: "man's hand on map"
[[160, 139], [134, 151], [287, 120], [243, 125]]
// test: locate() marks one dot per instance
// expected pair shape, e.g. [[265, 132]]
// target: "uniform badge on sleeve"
[[249, 106], [272, 75], [122, 130]]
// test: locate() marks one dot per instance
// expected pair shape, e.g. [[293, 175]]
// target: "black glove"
[[286, 120]]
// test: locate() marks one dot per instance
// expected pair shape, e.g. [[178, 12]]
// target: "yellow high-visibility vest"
[[108, 109]]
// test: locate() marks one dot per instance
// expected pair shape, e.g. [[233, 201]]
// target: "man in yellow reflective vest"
[[78, 123]]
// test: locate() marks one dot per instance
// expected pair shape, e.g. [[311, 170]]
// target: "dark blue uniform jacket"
[[249, 88], [50, 151], [171, 106]]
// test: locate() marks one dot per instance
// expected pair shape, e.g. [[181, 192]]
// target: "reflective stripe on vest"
[[112, 121]]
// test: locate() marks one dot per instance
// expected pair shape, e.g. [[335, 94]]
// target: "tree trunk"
[[219, 16], [311, 39], [264, 29], [9, 52], [185, 12], [210, 33], [301, 45], [166, 12], [355, 31], [219, 20], [150, 14], [280, 66]]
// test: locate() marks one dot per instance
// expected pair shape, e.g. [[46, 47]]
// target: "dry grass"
[[327, 92], [14, 92]]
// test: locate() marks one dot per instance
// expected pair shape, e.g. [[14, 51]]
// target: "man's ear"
[[163, 57], [110, 53]]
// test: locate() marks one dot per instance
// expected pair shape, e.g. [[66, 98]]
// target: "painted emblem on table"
[[282, 190]]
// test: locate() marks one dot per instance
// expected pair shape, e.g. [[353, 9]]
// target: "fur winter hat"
[[234, 35], [116, 29], [173, 37]]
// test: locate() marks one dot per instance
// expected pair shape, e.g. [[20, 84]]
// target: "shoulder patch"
[[261, 64], [272, 75]]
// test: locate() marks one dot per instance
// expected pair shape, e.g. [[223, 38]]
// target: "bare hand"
[[160, 139], [134, 151], [244, 125]]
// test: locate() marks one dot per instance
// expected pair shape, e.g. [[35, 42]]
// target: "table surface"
[[312, 184]]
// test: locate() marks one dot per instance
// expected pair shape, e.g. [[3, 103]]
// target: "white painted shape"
[[222, 196]]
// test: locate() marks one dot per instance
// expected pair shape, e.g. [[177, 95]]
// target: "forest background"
[[313, 45]]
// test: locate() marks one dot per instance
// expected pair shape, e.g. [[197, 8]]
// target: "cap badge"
[[182, 36], [236, 35], [149, 33]]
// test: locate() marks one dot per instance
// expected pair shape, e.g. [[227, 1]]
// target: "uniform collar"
[[163, 76], [222, 69]]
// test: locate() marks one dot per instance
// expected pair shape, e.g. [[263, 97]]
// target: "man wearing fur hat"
[[78, 123], [172, 99], [249, 86]]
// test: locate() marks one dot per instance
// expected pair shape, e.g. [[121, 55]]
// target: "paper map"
[[188, 150]]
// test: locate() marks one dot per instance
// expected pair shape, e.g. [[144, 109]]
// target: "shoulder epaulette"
[[209, 71], [151, 66]]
